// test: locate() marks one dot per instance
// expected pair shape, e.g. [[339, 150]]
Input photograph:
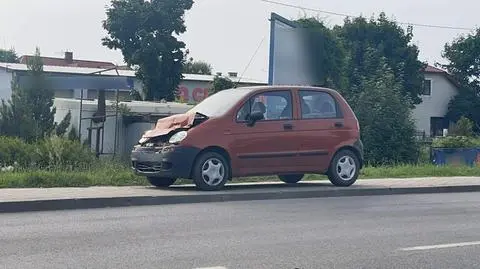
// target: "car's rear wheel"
[[211, 171], [161, 182], [291, 179], [344, 168]]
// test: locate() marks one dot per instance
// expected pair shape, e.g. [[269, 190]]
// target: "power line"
[[351, 16], [251, 59]]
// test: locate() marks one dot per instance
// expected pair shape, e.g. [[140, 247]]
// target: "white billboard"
[[292, 54]]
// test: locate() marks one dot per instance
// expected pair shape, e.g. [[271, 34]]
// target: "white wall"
[[435, 105], [5, 84], [127, 135]]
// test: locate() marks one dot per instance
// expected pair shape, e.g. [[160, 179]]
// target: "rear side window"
[[318, 105], [275, 105]]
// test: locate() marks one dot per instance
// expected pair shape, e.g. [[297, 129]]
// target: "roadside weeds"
[[114, 174]]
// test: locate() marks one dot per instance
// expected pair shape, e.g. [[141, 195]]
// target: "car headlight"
[[178, 137]]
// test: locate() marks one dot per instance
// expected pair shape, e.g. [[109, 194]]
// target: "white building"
[[439, 89]]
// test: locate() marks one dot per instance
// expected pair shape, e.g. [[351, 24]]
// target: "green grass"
[[112, 174], [106, 174], [427, 170]]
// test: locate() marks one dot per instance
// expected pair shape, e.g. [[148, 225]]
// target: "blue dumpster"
[[453, 156]]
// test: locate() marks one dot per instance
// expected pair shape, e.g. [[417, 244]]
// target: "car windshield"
[[217, 104]]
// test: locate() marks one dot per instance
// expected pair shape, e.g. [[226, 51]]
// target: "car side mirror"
[[254, 117]]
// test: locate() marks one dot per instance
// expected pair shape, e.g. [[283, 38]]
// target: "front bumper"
[[168, 161]]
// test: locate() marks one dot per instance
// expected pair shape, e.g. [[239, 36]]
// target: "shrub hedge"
[[50, 153], [456, 142]]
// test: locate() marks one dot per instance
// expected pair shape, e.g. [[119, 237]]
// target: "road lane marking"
[[454, 245], [214, 267]]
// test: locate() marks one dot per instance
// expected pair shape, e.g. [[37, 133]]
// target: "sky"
[[225, 33]]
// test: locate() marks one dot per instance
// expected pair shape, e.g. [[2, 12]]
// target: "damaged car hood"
[[166, 125]]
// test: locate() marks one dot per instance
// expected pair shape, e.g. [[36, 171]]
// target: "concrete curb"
[[209, 197]]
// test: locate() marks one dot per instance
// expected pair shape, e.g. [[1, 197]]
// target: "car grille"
[[148, 167], [146, 149]]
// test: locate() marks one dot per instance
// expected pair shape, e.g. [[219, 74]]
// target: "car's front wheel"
[[161, 182], [291, 179], [211, 171], [344, 168]]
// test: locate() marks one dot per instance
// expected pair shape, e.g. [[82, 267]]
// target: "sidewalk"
[[21, 200]]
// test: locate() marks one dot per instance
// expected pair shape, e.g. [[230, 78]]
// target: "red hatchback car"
[[287, 131]]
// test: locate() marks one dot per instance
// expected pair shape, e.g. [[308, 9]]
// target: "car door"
[[320, 128], [270, 145]]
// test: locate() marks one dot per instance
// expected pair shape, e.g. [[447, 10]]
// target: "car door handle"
[[338, 124], [287, 126]]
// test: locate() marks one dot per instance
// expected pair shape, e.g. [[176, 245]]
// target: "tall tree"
[[29, 114], [463, 55], [8, 56], [197, 67], [145, 31], [390, 41]]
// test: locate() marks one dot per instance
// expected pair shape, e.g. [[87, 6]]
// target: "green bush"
[[50, 153], [64, 153], [14, 150], [463, 127], [456, 142], [387, 128]]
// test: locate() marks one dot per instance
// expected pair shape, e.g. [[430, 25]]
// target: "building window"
[[427, 87]]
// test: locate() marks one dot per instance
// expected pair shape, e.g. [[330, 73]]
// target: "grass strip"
[[110, 174]]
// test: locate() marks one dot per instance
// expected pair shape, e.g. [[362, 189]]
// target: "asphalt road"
[[400, 231]]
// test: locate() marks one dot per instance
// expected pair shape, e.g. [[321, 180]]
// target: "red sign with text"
[[196, 94]]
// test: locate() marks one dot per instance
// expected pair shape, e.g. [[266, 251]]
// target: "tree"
[[30, 112], [465, 104], [221, 83], [463, 127], [145, 32], [62, 127], [390, 41], [387, 129], [197, 67], [8, 56], [463, 55]]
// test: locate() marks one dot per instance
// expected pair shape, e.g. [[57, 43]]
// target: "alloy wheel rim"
[[346, 168], [213, 172]]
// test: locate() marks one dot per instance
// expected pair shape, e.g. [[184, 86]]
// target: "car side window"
[[318, 105], [274, 105]]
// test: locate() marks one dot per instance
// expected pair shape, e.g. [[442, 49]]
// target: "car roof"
[[286, 87]]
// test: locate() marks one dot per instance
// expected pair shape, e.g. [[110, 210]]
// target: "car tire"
[[211, 171], [344, 169], [291, 179], [161, 182]]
